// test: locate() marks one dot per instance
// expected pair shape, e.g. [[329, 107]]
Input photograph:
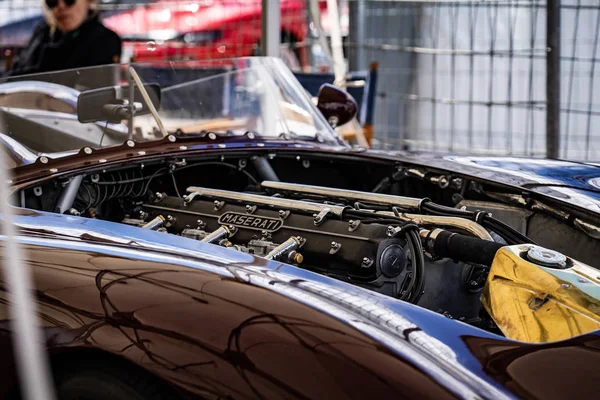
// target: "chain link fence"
[[470, 76]]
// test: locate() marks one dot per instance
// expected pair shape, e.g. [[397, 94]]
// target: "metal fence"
[[473, 76]]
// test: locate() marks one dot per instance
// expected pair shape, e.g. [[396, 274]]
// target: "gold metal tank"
[[538, 295]]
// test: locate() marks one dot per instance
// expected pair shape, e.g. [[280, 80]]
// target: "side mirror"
[[106, 104], [336, 105]]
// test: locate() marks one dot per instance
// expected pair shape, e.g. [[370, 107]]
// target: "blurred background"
[[510, 77]]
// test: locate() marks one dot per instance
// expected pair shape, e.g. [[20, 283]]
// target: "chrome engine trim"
[[276, 202], [373, 198]]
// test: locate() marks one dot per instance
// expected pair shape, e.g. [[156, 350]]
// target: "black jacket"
[[89, 45]]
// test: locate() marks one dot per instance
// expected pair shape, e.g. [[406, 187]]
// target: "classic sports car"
[[199, 231]]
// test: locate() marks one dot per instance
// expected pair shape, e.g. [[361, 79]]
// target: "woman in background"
[[70, 37]]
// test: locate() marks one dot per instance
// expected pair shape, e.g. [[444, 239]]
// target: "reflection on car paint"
[[352, 305]]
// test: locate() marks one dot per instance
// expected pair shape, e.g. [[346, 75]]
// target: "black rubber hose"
[[264, 169], [506, 234], [497, 224], [510, 234], [408, 293], [418, 266], [438, 209], [465, 248]]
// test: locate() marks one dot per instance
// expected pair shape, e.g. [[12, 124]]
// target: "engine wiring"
[[511, 235], [175, 185], [120, 184]]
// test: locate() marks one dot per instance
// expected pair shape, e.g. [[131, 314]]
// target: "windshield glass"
[[228, 98]]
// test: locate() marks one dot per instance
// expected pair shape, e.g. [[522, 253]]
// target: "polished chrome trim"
[[284, 204], [373, 198], [284, 248], [155, 223], [464, 225], [220, 233]]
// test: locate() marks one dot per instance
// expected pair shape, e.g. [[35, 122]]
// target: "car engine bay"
[[422, 236]]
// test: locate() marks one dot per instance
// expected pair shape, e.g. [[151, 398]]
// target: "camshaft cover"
[[358, 252]]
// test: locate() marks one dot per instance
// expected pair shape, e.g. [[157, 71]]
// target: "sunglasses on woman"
[[53, 3]]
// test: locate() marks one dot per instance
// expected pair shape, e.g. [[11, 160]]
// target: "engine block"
[[350, 236], [349, 250]]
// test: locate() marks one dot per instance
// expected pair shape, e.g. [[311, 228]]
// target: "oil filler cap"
[[547, 258], [392, 260]]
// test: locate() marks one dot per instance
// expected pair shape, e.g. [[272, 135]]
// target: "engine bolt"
[[218, 204], [367, 262], [353, 224], [335, 247], [158, 196], [443, 182], [296, 257], [281, 213], [200, 224]]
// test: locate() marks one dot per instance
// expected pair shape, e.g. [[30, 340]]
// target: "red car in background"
[[196, 30], [206, 29]]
